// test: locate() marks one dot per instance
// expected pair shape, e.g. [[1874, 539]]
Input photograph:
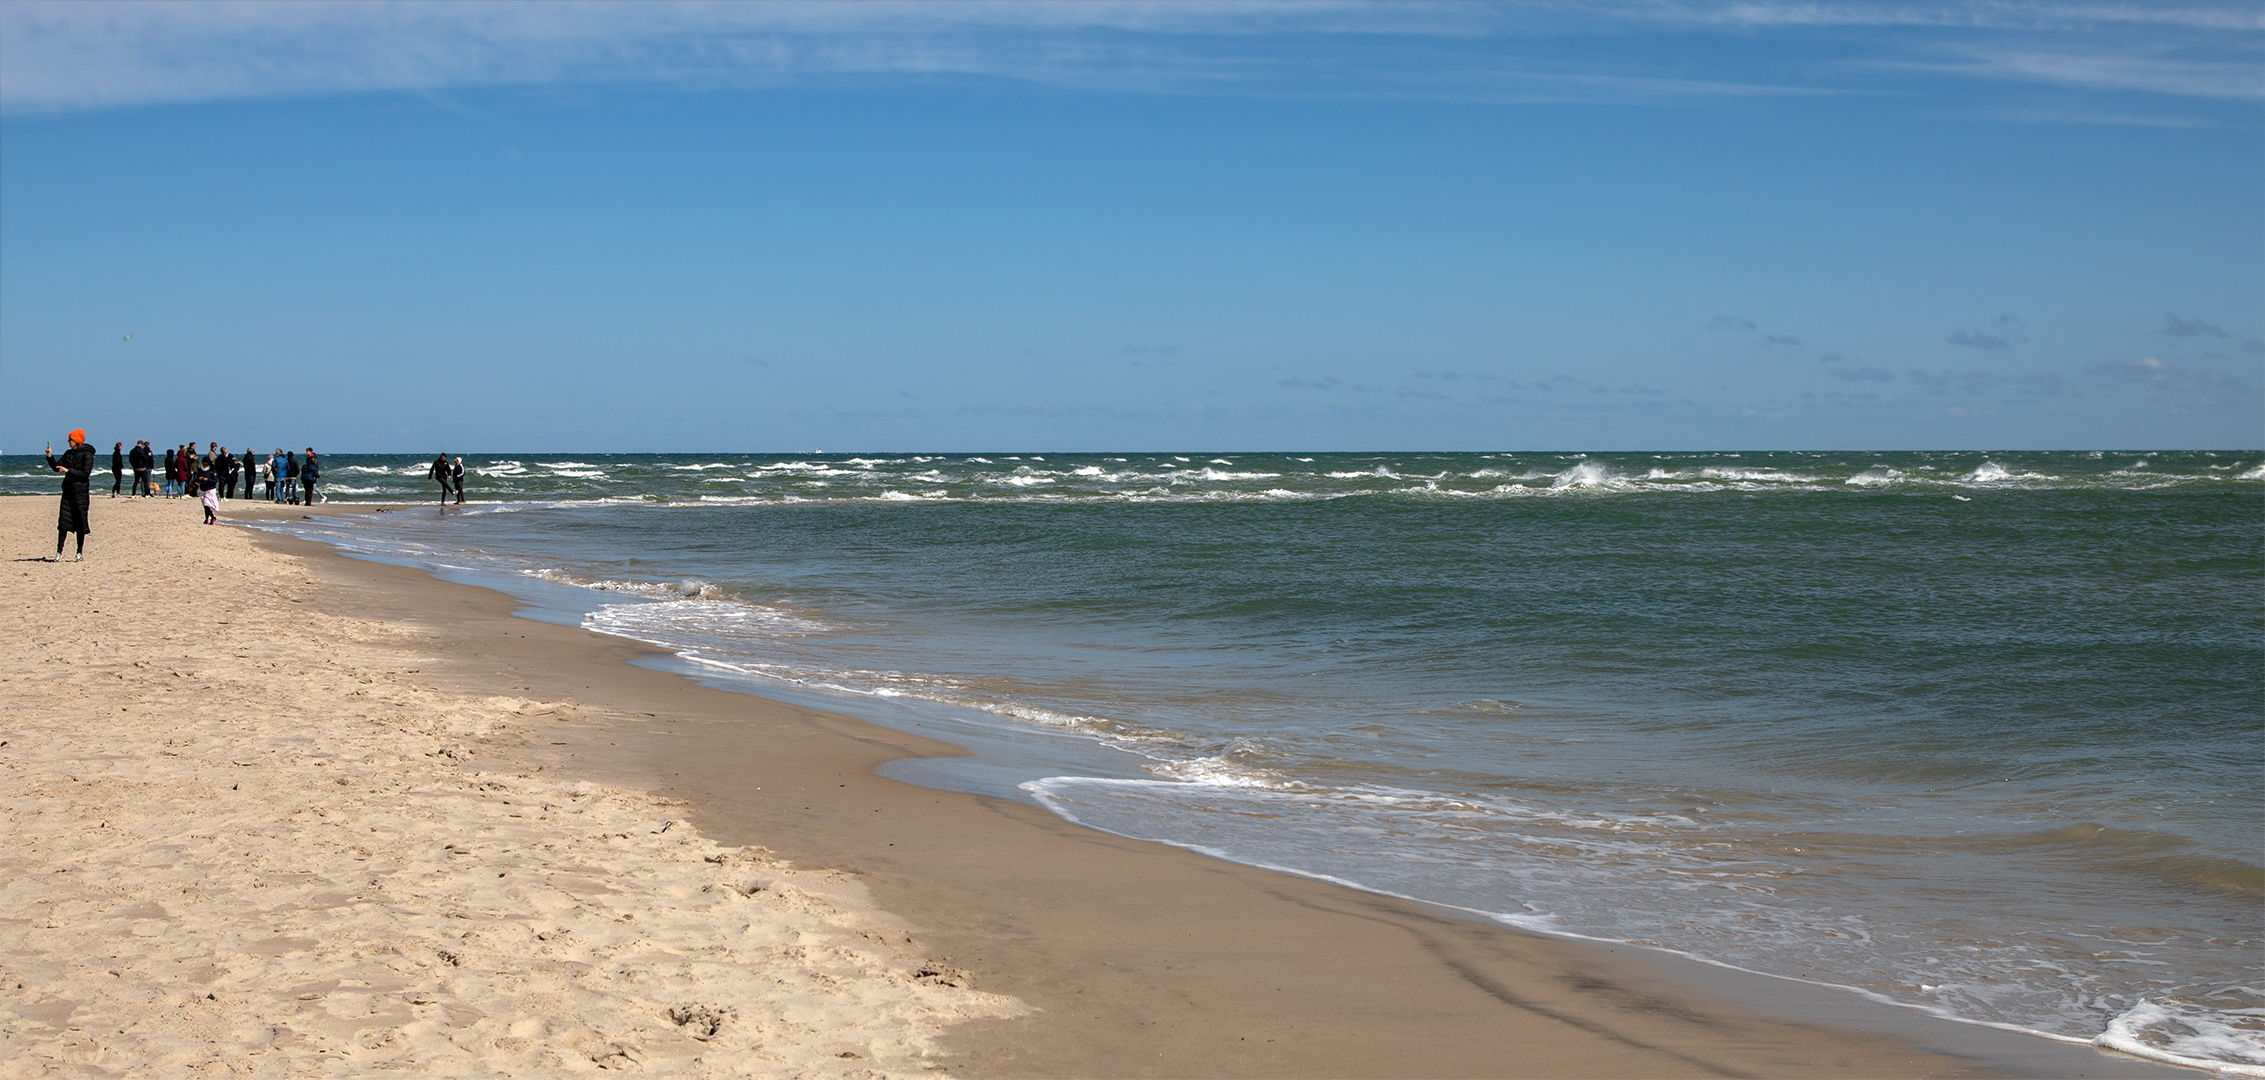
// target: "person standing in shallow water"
[[77, 466], [439, 473]]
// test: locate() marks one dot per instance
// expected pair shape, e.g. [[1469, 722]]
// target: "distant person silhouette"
[[117, 467], [439, 473], [456, 474]]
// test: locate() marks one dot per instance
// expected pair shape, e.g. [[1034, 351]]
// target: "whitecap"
[[1777, 475], [1990, 472], [2231, 1042], [1874, 477], [686, 588], [1589, 475], [1208, 473]]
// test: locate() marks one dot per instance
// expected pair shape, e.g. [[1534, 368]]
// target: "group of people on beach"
[[213, 476]]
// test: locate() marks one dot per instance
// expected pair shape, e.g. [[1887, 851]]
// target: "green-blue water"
[[1975, 733]]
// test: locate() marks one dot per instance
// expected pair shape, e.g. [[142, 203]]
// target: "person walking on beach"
[[456, 473], [77, 467], [167, 487], [208, 489], [308, 474], [274, 460], [290, 478], [439, 473], [140, 460], [117, 467]]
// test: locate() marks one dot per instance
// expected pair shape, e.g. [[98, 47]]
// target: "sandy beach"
[[246, 835], [272, 811]]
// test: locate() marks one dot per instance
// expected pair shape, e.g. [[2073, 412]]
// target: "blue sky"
[[396, 227]]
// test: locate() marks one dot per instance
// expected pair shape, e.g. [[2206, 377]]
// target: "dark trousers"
[[141, 482]]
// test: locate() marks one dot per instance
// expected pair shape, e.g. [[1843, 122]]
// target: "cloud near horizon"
[[2154, 372], [2174, 326], [1974, 339]]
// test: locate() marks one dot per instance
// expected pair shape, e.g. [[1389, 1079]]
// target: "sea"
[[1976, 734]]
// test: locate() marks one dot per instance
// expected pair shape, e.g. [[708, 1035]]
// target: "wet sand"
[[953, 932]]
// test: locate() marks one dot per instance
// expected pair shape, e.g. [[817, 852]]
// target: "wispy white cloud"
[[1963, 14], [2108, 117], [64, 56], [59, 56], [2095, 70]]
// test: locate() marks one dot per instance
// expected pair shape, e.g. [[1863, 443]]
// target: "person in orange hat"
[[77, 466]]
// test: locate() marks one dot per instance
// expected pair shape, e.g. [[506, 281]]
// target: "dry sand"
[[269, 810], [244, 836]]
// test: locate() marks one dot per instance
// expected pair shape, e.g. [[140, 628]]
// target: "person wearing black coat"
[[117, 467], [77, 467], [141, 460], [310, 473]]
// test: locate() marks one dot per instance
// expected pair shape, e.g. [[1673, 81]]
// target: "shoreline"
[[1140, 958]]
